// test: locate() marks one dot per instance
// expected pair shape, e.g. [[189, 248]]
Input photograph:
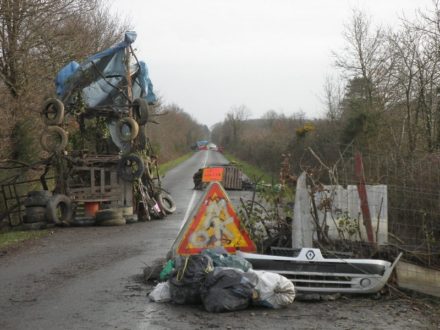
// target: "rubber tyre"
[[40, 193], [52, 112], [108, 214], [140, 110], [131, 219], [133, 129], [127, 211], [35, 214], [125, 170], [37, 198], [149, 170], [60, 210], [113, 222], [83, 221], [166, 202], [34, 226], [46, 136]]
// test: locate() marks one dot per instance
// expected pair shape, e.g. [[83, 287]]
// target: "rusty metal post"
[[359, 169], [128, 77]]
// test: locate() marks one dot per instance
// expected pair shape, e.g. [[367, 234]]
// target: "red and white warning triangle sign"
[[213, 223]]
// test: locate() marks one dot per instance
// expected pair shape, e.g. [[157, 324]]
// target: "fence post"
[[359, 169]]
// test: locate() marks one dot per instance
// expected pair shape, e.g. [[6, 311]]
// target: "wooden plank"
[[102, 179]]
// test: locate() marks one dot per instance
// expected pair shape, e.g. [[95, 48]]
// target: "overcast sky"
[[210, 55]]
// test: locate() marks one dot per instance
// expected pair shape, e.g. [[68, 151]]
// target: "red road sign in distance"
[[214, 224], [212, 174]]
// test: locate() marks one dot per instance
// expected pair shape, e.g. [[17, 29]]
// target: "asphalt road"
[[90, 278]]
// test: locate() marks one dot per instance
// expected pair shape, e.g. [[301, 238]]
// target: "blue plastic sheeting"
[[145, 83], [101, 79], [63, 75]]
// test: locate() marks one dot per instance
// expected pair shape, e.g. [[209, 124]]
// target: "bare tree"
[[332, 99], [37, 38], [418, 54], [235, 119], [27, 28], [405, 49], [364, 56]]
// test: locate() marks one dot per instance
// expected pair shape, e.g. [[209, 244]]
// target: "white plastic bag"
[[161, 293], [275, 291]]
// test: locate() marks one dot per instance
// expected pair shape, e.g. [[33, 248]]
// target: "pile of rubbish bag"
[[221, 283]]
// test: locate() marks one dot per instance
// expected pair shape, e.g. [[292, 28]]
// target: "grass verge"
[[12, 238], [253, 172], [165, 167]]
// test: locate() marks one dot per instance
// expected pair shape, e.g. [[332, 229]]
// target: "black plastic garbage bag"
[[190, 274], [226, 290], [221, 258]]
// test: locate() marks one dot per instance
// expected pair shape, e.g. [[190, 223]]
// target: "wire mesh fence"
[[403, 201]]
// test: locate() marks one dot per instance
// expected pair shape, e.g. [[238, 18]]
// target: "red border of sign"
[[215, 188]]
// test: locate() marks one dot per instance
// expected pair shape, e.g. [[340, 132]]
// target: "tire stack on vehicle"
[[128, 131], [129, 134], [54, 138]]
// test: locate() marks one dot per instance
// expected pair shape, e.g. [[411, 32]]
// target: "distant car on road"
[[212, 146]]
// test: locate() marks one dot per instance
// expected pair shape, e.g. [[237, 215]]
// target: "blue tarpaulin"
[[102, 78]]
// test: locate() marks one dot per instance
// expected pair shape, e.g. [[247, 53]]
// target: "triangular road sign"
[[213, 223]]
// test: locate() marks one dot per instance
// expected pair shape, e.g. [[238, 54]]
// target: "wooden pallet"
[[99, 184], [232, 178]]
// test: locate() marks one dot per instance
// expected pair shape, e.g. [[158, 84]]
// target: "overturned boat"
[[311, 272]]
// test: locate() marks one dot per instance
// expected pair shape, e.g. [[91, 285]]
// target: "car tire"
[[166, 202], [83, 221], [34, 226], [108, 214], [52, 112], [131, 219], [48, 135], [125, 168], [113, 222], [127, 211], [133, 129], [59, 210], [35, 214], [37, 198], [140, 110]]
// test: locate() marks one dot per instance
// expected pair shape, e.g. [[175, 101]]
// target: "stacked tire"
[[35, 209], [127, 213], [127, 128], [42, 210], [110, 217], [54, 138]]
